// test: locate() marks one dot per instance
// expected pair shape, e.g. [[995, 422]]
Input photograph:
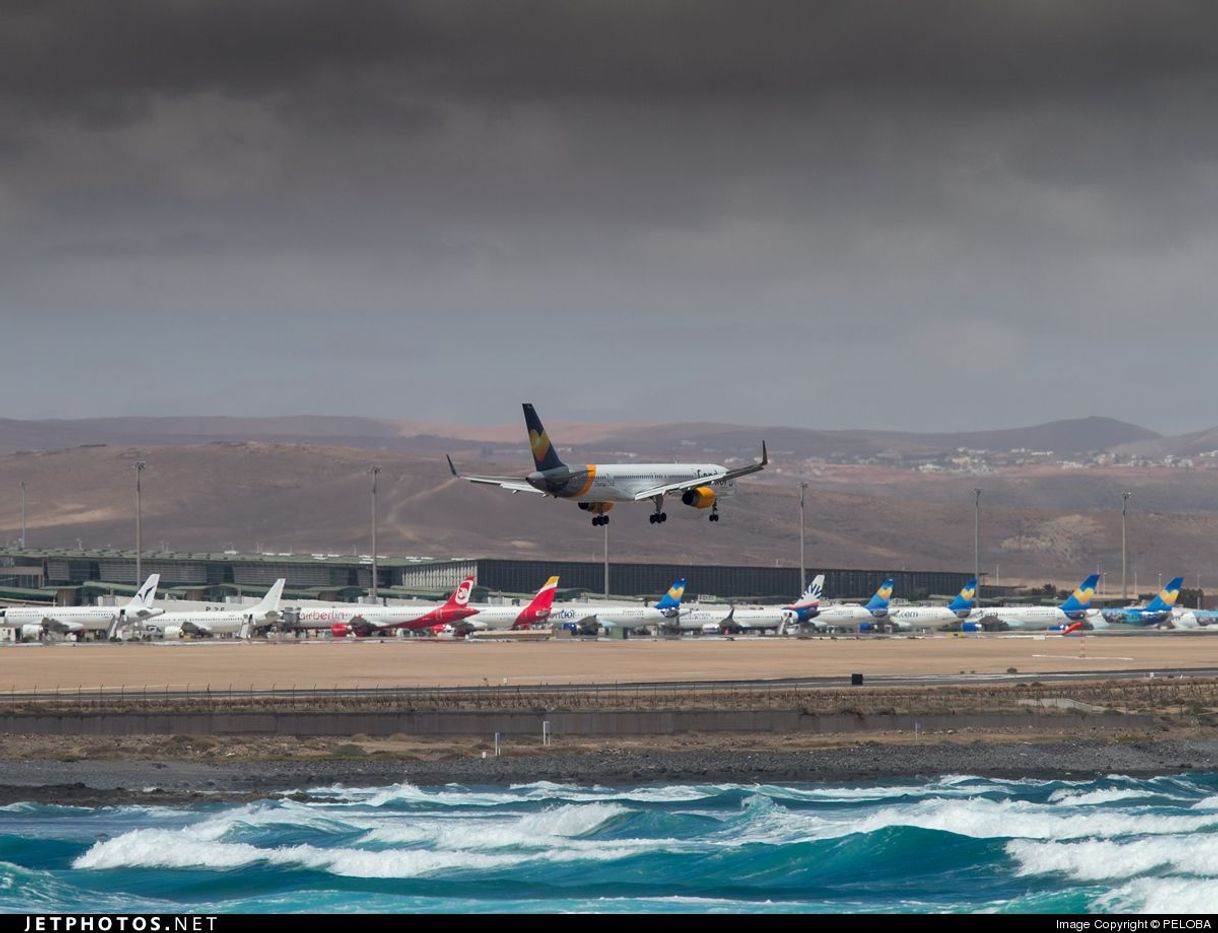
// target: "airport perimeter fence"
[[1191, 698]]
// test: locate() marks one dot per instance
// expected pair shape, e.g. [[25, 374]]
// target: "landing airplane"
[[35, 621], [207, 622], [597, 487]]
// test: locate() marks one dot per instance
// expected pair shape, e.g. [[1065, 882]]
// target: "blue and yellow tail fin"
[[964, 601], [544, 455], [672, 599], [1081, 597], [1167, 596], [880, 600]]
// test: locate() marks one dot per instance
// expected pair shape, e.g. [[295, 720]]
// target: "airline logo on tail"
[[670, 604], [879, 602], [812, 594], [146, 593], [460, 596], [1167, 596], [539, 609], [964, 601], [1080, 599], [544, 457]]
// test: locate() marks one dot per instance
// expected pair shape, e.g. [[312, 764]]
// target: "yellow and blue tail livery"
[[544, 456], [964, 601], [1167, 596], [879, 602], [672, 599], [1080, 599]]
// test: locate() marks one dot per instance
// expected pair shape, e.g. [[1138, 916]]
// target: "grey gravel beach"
[[115, 782]]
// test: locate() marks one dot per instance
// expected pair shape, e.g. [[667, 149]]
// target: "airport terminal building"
[[73, 576]]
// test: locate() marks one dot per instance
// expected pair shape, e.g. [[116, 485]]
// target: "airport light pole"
[[23, 515], [375, 471], [803, 573], [977, 546], [605, 526], [1124, 508], [140, 466]]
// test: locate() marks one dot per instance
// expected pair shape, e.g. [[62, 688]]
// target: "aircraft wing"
[[706, 480], [511, 483]]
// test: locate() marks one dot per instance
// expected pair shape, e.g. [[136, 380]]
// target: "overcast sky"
[[859, 214]]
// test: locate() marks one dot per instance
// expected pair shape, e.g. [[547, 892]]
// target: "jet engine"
[[700, 497], [339, 630]]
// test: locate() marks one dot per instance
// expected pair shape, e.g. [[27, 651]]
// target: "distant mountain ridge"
[[1067, 436]]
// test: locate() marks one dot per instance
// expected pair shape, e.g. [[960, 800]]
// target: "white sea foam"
[[1174, 895], [529, 830], [1086, 798], [1103, 859]]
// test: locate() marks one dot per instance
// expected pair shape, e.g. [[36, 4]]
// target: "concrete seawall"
[[621, 723]]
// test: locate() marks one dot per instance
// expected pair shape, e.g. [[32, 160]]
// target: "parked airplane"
[[503, 618], [354, 615], [207, 622], [36, 621], [851, 615], [1156, 612], [1076, 608], [910, 618], [593, 615], [712, 621], [597, 487], [454, 610]]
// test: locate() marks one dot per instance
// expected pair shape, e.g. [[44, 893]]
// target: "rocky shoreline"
[[179, 782]]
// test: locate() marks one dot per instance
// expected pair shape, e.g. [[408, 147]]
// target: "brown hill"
[[1037, 524]]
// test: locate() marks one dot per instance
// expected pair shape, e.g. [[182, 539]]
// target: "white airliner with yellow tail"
[[597, 487]]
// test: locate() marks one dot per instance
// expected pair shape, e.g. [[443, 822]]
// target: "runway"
[[420, 663]]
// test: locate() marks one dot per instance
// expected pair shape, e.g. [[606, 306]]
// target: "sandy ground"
[[420, 662]]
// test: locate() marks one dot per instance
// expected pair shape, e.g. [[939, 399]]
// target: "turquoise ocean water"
[[955, 843]]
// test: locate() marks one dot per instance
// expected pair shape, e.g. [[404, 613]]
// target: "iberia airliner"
[[597, 487]]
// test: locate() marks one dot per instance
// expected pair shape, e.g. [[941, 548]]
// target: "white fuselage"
[[1032, 618], [844, 615], [323, 617], [217, 622], [493, 618], [761, 619], [623, 482], [910, 618], [614, 615], [68, 618]]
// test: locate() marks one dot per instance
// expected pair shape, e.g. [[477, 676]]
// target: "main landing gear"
[[714, 515], [659, 515], [600, 520]]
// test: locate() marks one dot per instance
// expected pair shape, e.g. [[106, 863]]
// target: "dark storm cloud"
[[981, 187], [55, 52]]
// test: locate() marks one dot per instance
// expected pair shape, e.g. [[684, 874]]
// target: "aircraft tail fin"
[[460, 596], [544, 456], [670, 602], [1080, 599], [964, 600], [1166, 597], [538, 610], [879, 602], [145, 595], [270, 602], [812, 594]]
